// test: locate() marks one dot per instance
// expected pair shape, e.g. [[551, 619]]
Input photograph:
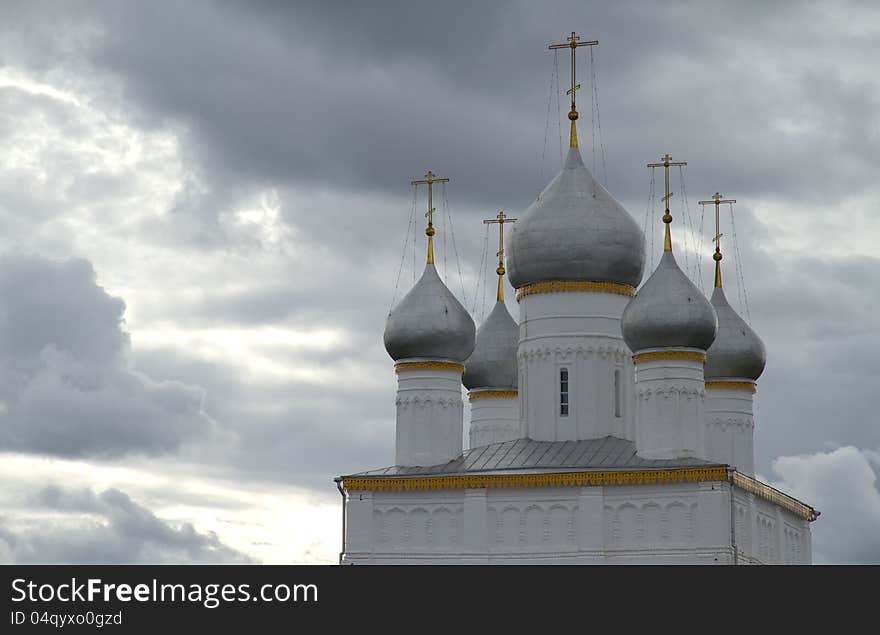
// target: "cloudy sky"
[[204, 208]]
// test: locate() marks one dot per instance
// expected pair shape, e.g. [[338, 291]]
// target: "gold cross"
[[718, 200], [429, 180], [500, 219], [667, 217], [573, 44]]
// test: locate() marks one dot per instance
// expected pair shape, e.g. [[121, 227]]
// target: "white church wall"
[[578, 332], [670, 408], [430, 415], [677, 523], [769, 534], [730, 427], [493, 419]]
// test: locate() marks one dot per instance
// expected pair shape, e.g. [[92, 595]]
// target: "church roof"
[[493, 362], [527, 454], [669, 311], [430, 323], [576, 231], [737, 351]]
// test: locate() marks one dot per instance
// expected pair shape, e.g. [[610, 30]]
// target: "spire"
[[500, 219], [573, 43], [716, 198], [667, 217], [429, 180]]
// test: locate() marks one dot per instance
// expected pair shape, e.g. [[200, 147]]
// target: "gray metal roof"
[[429, 323], [493, 362], [737, 351], [543, 456], [669, 311], [575, 231]]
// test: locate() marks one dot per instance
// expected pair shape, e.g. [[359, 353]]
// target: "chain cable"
[[648, 214], [454, 245], [741, 282], [595, 84], [481, 274], [412, 215], [702, 234], [547, 123], [558, 105]]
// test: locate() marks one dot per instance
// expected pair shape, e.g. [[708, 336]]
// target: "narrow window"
[[616, 392], [563, 392]]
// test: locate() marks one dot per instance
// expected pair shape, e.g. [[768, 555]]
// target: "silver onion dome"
[[429, 322], [669, 311], [576, 231], [737, 352], [493, 362]]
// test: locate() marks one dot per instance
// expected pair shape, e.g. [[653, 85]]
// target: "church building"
[[612, 423]]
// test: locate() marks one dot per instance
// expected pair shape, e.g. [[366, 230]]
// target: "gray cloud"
[[334, 110], [65, 376], [108, 528], [848, 531]]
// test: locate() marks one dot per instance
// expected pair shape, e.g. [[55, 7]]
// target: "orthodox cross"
[[429, 180], [667, 217], [500, 219], [716, 198], [573, 44]]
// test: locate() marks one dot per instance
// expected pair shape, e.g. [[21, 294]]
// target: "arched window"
[[563, 392]]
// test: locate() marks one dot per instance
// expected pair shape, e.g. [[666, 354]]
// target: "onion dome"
[[669, 311], [493, 362], [430, 323], [576, 231], [737, 352]]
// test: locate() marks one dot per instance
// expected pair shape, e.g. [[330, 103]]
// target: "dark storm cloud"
[[297, 432], [364, 97], [65, 379], [337, 107], [108, 528]]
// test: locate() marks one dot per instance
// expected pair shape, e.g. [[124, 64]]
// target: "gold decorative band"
[[735, 385], [399, 366], [774, 496], [575, 286], [695, 355], [484, 394], [557, 479]]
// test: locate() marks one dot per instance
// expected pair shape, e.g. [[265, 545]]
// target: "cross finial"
[[573, 43], [666, 162], [717, 199], [429, 180], [500, 219]]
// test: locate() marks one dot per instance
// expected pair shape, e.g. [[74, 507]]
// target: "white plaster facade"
[[580, 333], [730, 426], [494, 418], [661, 404], [676, 523], [670, 406], [429, 413]]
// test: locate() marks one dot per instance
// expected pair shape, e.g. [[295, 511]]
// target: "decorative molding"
[[551, 479], [574, 286], [484, 394], [732, 422], [669, 390], [734, 385], [651, 355], [773, 495], [453, 366], [565, 353], [428, 399]]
